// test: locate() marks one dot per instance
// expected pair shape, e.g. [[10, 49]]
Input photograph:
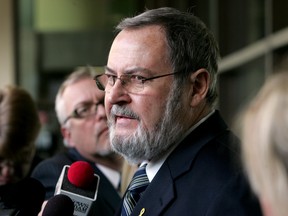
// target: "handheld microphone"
[[59, 205], [80, 183], [22, 198]]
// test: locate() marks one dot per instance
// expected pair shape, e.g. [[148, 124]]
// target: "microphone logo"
[[81, 207]]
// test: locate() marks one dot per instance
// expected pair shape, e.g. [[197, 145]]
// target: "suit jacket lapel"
[[160, 193], [157, 196], [181, 159]]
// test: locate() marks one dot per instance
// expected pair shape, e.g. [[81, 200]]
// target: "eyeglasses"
[[84, 111], [131, 82]]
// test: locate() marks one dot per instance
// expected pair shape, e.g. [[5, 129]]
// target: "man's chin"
[[107, 153], [131, 158], [133, 161]]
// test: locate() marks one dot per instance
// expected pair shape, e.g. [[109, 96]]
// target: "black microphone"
[[59, 205], [22, 198], [80, 183]]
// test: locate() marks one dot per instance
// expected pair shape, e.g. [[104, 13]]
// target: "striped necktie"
[[135, 190]]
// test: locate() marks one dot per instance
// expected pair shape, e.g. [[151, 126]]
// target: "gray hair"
[[191, 44], [79, 74]]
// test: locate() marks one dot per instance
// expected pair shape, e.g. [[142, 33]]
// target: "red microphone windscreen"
[[81, 174]]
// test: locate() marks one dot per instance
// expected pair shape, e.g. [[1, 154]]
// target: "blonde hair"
[[264, 133]]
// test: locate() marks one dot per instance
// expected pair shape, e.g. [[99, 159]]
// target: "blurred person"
[[46, 143], [264, 126], [127, 173], [19, 128], [80, 111], [160, 94]]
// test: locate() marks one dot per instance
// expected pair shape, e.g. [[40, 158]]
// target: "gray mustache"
[[125, 111]]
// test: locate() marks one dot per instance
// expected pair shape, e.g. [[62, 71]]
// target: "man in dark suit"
[[160, 86], [80, 110]]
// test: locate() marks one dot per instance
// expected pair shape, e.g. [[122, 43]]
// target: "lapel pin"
[[142, 211]]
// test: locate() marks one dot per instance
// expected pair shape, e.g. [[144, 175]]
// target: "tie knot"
[[139, 180]]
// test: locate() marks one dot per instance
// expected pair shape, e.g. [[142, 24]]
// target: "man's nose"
[[118, 94]]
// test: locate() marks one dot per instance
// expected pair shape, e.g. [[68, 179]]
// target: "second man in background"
[[81, 114]]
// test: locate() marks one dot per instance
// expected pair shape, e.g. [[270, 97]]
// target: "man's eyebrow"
[[84, 103], [130, 71], [109, 70]]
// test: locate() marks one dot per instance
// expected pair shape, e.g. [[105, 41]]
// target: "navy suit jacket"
[[201, 177], [49, 170]]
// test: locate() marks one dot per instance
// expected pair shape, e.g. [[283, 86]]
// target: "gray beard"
[[144, 144]]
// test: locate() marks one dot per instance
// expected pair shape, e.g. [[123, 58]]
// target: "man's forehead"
[[84, 92]]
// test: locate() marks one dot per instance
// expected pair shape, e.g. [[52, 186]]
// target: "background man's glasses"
[[131, 82], [84, 111]]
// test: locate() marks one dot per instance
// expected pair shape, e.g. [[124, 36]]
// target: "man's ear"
[[66, 136], [200, 81]]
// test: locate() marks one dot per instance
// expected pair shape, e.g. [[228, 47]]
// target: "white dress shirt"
[[112, 175]]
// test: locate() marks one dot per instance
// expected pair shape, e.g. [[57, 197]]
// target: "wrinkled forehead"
[[83, 91], [144, 47]]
